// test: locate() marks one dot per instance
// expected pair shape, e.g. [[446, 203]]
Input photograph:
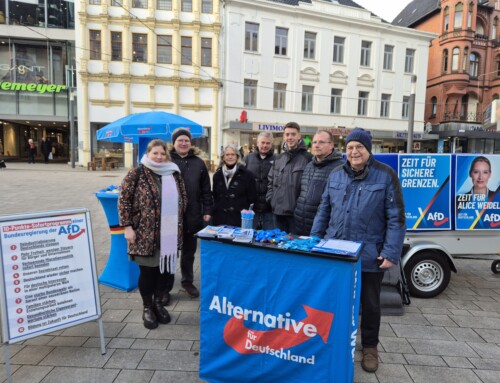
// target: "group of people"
[[168, 198], [45, 147]]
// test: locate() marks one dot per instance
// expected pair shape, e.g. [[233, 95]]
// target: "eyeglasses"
[[321, 142], [358, 148], [230, 155]]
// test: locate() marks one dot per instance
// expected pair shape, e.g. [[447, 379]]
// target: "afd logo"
[[73, 231], [437, 218], [493, 219]]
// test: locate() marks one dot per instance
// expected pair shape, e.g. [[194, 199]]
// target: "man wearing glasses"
[[363, 201], [314, 178]]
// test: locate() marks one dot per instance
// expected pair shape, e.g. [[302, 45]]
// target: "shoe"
[[191, 290], [369, 363], [149, 318], [162, 315], [165, 300]]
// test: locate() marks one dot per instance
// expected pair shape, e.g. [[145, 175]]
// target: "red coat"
[[139, 206]]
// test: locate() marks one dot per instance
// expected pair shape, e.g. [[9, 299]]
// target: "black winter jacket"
[[260, 167], [197, 181], [312, 185], [230, 202], [284, 179]]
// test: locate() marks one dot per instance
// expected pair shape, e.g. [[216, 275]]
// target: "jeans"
[[264, 221], [371, 285]]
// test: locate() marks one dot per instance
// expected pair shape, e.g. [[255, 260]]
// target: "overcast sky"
[[386, 9]]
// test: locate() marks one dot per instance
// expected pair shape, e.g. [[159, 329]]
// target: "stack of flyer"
[[243, 235], [227, 232], [338, 246]]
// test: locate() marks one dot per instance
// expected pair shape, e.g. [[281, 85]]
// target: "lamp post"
[[72, 133], [411, 114]]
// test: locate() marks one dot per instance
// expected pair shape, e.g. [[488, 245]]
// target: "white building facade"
[[323, 65]]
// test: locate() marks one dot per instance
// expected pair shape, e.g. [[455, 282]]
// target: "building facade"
[[143, 55], [464, 70], [324, 64], [36, 70]]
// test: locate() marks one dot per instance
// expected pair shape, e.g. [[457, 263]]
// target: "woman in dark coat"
[[233, 189], [151, 205]]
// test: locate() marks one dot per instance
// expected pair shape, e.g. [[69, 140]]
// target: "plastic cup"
[[246, 223]]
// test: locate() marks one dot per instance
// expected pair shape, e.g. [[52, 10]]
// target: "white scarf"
[[228, 174], [169, 212]]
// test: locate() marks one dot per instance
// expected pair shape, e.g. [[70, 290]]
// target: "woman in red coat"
[[151, 205]]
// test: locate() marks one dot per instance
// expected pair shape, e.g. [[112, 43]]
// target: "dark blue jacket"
[[260, 167]]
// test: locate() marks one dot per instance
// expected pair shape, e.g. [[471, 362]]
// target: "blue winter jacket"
[[364, 206]]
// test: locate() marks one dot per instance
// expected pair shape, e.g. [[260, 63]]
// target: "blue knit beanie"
[[360, 135]]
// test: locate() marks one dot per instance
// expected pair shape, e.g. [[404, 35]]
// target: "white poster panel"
[[49, 278]]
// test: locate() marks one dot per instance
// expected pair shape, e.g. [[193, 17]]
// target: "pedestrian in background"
[[363, 201], [46, 148], [259, 162], [284, 177], [200, 204], [233, 188], [151, 206], [314, 179], [31, 151]]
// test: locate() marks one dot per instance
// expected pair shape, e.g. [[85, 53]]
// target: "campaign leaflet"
[[425, 180], [477, 196], [48, 278]]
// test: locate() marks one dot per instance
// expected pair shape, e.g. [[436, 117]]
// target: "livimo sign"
[[32, 87]]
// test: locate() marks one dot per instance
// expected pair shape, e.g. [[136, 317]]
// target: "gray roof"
[[415, 11], [349, 3]]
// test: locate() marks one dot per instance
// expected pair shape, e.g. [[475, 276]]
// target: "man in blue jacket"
[[363, 201]]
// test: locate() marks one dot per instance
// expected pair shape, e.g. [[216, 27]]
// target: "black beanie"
[[360, 135], [180, 132]]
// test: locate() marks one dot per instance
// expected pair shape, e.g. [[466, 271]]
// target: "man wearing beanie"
[[200, 202], [364, 202]]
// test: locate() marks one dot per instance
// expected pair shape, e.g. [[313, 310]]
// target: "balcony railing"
[[467, 117]]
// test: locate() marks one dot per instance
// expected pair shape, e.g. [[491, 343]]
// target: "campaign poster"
[[275, 316], [425, 180], [477, 196], [48, 274]]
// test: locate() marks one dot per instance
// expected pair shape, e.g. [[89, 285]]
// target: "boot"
[[369, 362], [148, 315], [165, 300], [161, 312]]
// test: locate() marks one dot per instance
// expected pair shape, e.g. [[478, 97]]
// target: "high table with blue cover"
[[273, 315]]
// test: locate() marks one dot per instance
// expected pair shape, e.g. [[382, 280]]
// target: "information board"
[[48, 271]]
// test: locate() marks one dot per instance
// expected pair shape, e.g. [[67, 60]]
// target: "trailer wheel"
[[495, 267], [427, 274]]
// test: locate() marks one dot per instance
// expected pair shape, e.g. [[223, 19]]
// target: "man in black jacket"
[[259, 163], [314, 179], [284, 177], [200, 202]]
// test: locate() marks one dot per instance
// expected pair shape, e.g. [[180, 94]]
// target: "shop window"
[[459, 9], [309, 45], [60, 13], [433, 107], [445, 61]]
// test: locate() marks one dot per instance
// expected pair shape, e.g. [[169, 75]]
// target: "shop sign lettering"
[[32, 87], [271, 128]]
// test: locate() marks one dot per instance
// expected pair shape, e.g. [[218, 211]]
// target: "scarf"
[[169, 212], [228, 174]]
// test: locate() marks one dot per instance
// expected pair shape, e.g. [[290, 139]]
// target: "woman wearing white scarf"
[[151, 204]]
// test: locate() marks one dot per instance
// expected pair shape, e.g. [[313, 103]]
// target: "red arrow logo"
[[236, 334], [439, 223], [73, 236], [495, 224]]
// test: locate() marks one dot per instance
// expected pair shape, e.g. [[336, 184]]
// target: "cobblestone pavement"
[[454, 337]]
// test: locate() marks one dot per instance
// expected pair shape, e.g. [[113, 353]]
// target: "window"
[[164, 49], [498, 65], [250, 94], [474, 65], [164, 5], [186, 5], [409, 60], [186, 50], [338, 49], [206, 51], [464, 103], [309, 45], [279, 96], [363, 103], [445, 60], [116, 46], [307, 98], [251, 37], [366, 47], [494, 29], [116, 3], [336, 101], [281, 41], [140, 4], [207, 6], [95, 45], [384, 105], [433, 106], [465, 59], [388, 52], [446, 21], [469, 16], [139, 47], [459, 8], [95, 2], [454, 58], [406, 107]]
